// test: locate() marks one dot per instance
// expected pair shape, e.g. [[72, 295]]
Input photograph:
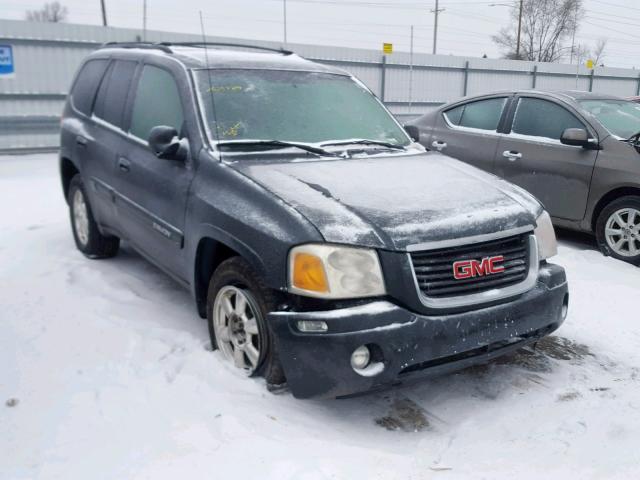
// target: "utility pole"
[[104, 13], [519, 31], [435, 27], [144, 20], [573, 42], [411, 73], [284, 13], [512, 5]]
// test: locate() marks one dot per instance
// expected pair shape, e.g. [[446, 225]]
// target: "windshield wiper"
[[278, 143], [364, 141]]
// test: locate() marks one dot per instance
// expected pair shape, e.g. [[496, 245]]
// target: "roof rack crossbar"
[[143, 45], [225, 44]]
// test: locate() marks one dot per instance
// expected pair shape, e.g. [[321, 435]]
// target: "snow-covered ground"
[[106, 373]]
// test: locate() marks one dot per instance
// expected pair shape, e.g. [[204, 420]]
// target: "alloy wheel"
[[622, 232], [235, 322], [80, 217]]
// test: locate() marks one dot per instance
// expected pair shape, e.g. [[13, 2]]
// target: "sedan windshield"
[[620, 117], [292, 106]]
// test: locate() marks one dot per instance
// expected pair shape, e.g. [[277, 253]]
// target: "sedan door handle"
[[438, 145], [511, 155], [123, 164]]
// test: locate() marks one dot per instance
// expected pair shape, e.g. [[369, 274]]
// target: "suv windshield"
[[620, 117], [292, 106]]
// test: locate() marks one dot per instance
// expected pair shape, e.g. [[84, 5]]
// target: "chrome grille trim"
[[458, 242], [488, 295]]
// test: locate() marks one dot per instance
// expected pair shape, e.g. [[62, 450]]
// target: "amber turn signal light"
[[309, 274]]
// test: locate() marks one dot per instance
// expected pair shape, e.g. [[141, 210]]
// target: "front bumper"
[[410, 345]]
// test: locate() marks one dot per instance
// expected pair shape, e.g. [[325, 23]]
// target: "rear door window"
[[84, 89], [113, 91], [536, 117], [157, 103], [454, 114], [481, 114]]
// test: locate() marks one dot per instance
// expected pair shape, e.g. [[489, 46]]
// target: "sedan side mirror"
[[164, 143], [413, 131], [578, 137]]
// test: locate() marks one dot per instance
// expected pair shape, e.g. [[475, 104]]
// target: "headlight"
[[330, 271], [546, 236]]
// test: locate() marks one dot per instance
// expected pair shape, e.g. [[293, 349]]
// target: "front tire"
[[86, 234], [238, 302], [618, 229]]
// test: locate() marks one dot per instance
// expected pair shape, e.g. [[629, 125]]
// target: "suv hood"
[[397, 200]]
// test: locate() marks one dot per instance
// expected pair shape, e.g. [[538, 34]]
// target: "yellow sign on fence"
[[590, 64], [387, 47]]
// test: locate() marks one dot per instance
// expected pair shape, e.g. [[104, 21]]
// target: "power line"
[[448, 37], [617, 5]]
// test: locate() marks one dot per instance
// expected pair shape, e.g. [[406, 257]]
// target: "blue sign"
[[6, 60]]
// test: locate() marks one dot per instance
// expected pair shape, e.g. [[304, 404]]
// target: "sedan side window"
[[157, 103], [482, 114], [540, 118]]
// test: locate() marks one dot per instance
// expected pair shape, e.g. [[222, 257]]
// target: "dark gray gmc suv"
[[327, 250]]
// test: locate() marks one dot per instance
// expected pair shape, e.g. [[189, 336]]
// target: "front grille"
[[434, 268]]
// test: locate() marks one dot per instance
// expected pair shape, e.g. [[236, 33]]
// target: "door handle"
[[438, 145], [123, 164], [511, 155], [81, 141]]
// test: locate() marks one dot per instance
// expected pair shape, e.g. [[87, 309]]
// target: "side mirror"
[[413, 131], [578, 137], [164, 143]]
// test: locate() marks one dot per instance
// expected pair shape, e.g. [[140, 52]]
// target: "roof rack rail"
[[144, 45], [225, 44]]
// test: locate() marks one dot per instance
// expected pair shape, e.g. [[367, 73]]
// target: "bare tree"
[[546, 27], [53, 12], [598, 53], [582, 52]]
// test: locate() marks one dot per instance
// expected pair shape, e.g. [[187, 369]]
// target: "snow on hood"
[[395, 201]]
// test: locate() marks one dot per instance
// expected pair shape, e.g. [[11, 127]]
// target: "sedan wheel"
[[622, 232], [235, 321]]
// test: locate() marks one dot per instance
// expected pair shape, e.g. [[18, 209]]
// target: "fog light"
[[360, 357], [312, 326]]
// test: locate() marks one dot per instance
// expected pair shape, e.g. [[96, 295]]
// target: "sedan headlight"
[[546, 237], [331, 271]]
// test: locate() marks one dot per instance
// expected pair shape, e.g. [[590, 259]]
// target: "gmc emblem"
[[477, 268]]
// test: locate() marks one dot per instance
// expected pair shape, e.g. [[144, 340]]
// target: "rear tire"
[[86, 234], [618, 229], [238, 302]]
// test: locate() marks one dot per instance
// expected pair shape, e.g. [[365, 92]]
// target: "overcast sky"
[[465, 26]]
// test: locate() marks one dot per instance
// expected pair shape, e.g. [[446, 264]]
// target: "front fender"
[[230, 208], [213, 232]]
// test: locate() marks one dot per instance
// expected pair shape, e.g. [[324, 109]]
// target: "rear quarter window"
[[454, 114], [113, 91], [86, 84], [481, 114]]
